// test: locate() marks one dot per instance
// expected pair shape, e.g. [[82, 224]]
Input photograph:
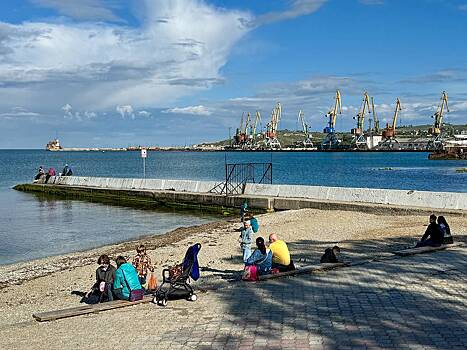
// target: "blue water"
[[33, 227]]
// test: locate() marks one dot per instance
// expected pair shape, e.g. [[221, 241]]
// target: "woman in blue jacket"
[[126, 279], [261, 257]]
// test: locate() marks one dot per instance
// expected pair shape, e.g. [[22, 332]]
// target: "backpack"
[[254, 224]]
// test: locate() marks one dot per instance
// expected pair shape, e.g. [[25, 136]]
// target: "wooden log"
[[88, 309], [302, 270], [420, 250]]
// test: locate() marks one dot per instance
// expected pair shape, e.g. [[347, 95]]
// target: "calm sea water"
[[33, 226]]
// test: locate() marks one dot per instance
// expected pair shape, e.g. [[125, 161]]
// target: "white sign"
[[144, 153]]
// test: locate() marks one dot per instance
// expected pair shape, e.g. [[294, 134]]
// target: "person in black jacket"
[[330, 255], [433, 236], [102, 289]]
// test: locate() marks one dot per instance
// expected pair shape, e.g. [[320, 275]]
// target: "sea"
[[34, 226]]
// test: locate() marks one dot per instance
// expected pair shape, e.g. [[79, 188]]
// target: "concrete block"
[[262, 190], [180, 185], [206, 186], [152, 184]]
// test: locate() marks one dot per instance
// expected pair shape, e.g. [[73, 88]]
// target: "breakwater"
[[196, 194]]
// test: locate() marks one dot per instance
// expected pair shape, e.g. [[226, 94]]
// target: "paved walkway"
[[417, 302]]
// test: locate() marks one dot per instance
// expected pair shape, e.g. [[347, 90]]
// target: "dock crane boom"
[[331, 141], [307, 141], [358, 140], [255, 124], [390, 131], [439, 115], [375, 116], [332, 113], [437, 130], [271, 132], [364, 109], [247, 124]]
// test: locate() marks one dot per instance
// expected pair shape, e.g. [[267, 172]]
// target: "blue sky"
[[126, 72]]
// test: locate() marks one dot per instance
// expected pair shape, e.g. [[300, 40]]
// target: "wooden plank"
[[88, 309], [419, 250], [302, 270]]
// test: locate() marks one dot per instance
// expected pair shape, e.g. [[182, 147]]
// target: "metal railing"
[[237, 175]]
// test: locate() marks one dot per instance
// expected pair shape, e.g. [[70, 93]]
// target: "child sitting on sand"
[[142, 263]]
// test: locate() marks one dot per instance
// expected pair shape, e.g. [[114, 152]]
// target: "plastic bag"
[[152, 281]]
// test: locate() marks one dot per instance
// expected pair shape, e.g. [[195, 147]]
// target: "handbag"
[[136, 294], [250, 273], [175, 272]]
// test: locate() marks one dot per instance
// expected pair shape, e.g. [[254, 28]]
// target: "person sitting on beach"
[[434, 233], [331, 255], [142, 263], [50, 173], [67, 171], [246, 237], [261, 257], [40, 173], [105, 276], [126, 279], [280, 254], [445, 230]]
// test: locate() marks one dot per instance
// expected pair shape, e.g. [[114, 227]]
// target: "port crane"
[[307, 143], [253, 135], [271, 140], [437, 131], [358, 140], [389, 134], [331, 141], [375, 117]]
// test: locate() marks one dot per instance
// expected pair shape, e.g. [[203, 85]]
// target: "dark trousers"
[[119, 295], [428, 243]]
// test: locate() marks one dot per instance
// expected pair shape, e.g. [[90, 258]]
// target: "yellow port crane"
[[271, 140], [307, 140], [331, 140], [358, 140], [437, 131], [375, 116], [439, 115], [389, 134]]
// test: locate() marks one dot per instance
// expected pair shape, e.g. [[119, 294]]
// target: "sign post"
[[144, 155]]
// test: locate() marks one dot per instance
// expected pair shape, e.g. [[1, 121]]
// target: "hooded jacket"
[[126, 272]]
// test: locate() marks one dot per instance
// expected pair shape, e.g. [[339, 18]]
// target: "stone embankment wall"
[[271, 197]]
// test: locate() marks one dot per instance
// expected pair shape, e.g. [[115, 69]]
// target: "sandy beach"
[[47, 284]]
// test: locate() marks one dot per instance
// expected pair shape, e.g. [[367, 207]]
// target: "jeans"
[[246, 250]]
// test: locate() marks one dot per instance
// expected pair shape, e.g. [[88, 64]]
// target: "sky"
[[114, 73]]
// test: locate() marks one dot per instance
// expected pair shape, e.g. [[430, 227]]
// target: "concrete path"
[[417, 302]]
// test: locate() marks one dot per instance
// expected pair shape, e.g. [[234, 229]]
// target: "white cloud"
[[19, 112], [126, 111], [372, 2], [463, 7], [195, 110], [102, 65], [297, 8]]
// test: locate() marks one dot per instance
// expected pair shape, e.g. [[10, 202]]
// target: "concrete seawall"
[[259, 196]]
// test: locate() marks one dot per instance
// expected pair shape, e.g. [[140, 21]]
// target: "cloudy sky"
[[158, 72]]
